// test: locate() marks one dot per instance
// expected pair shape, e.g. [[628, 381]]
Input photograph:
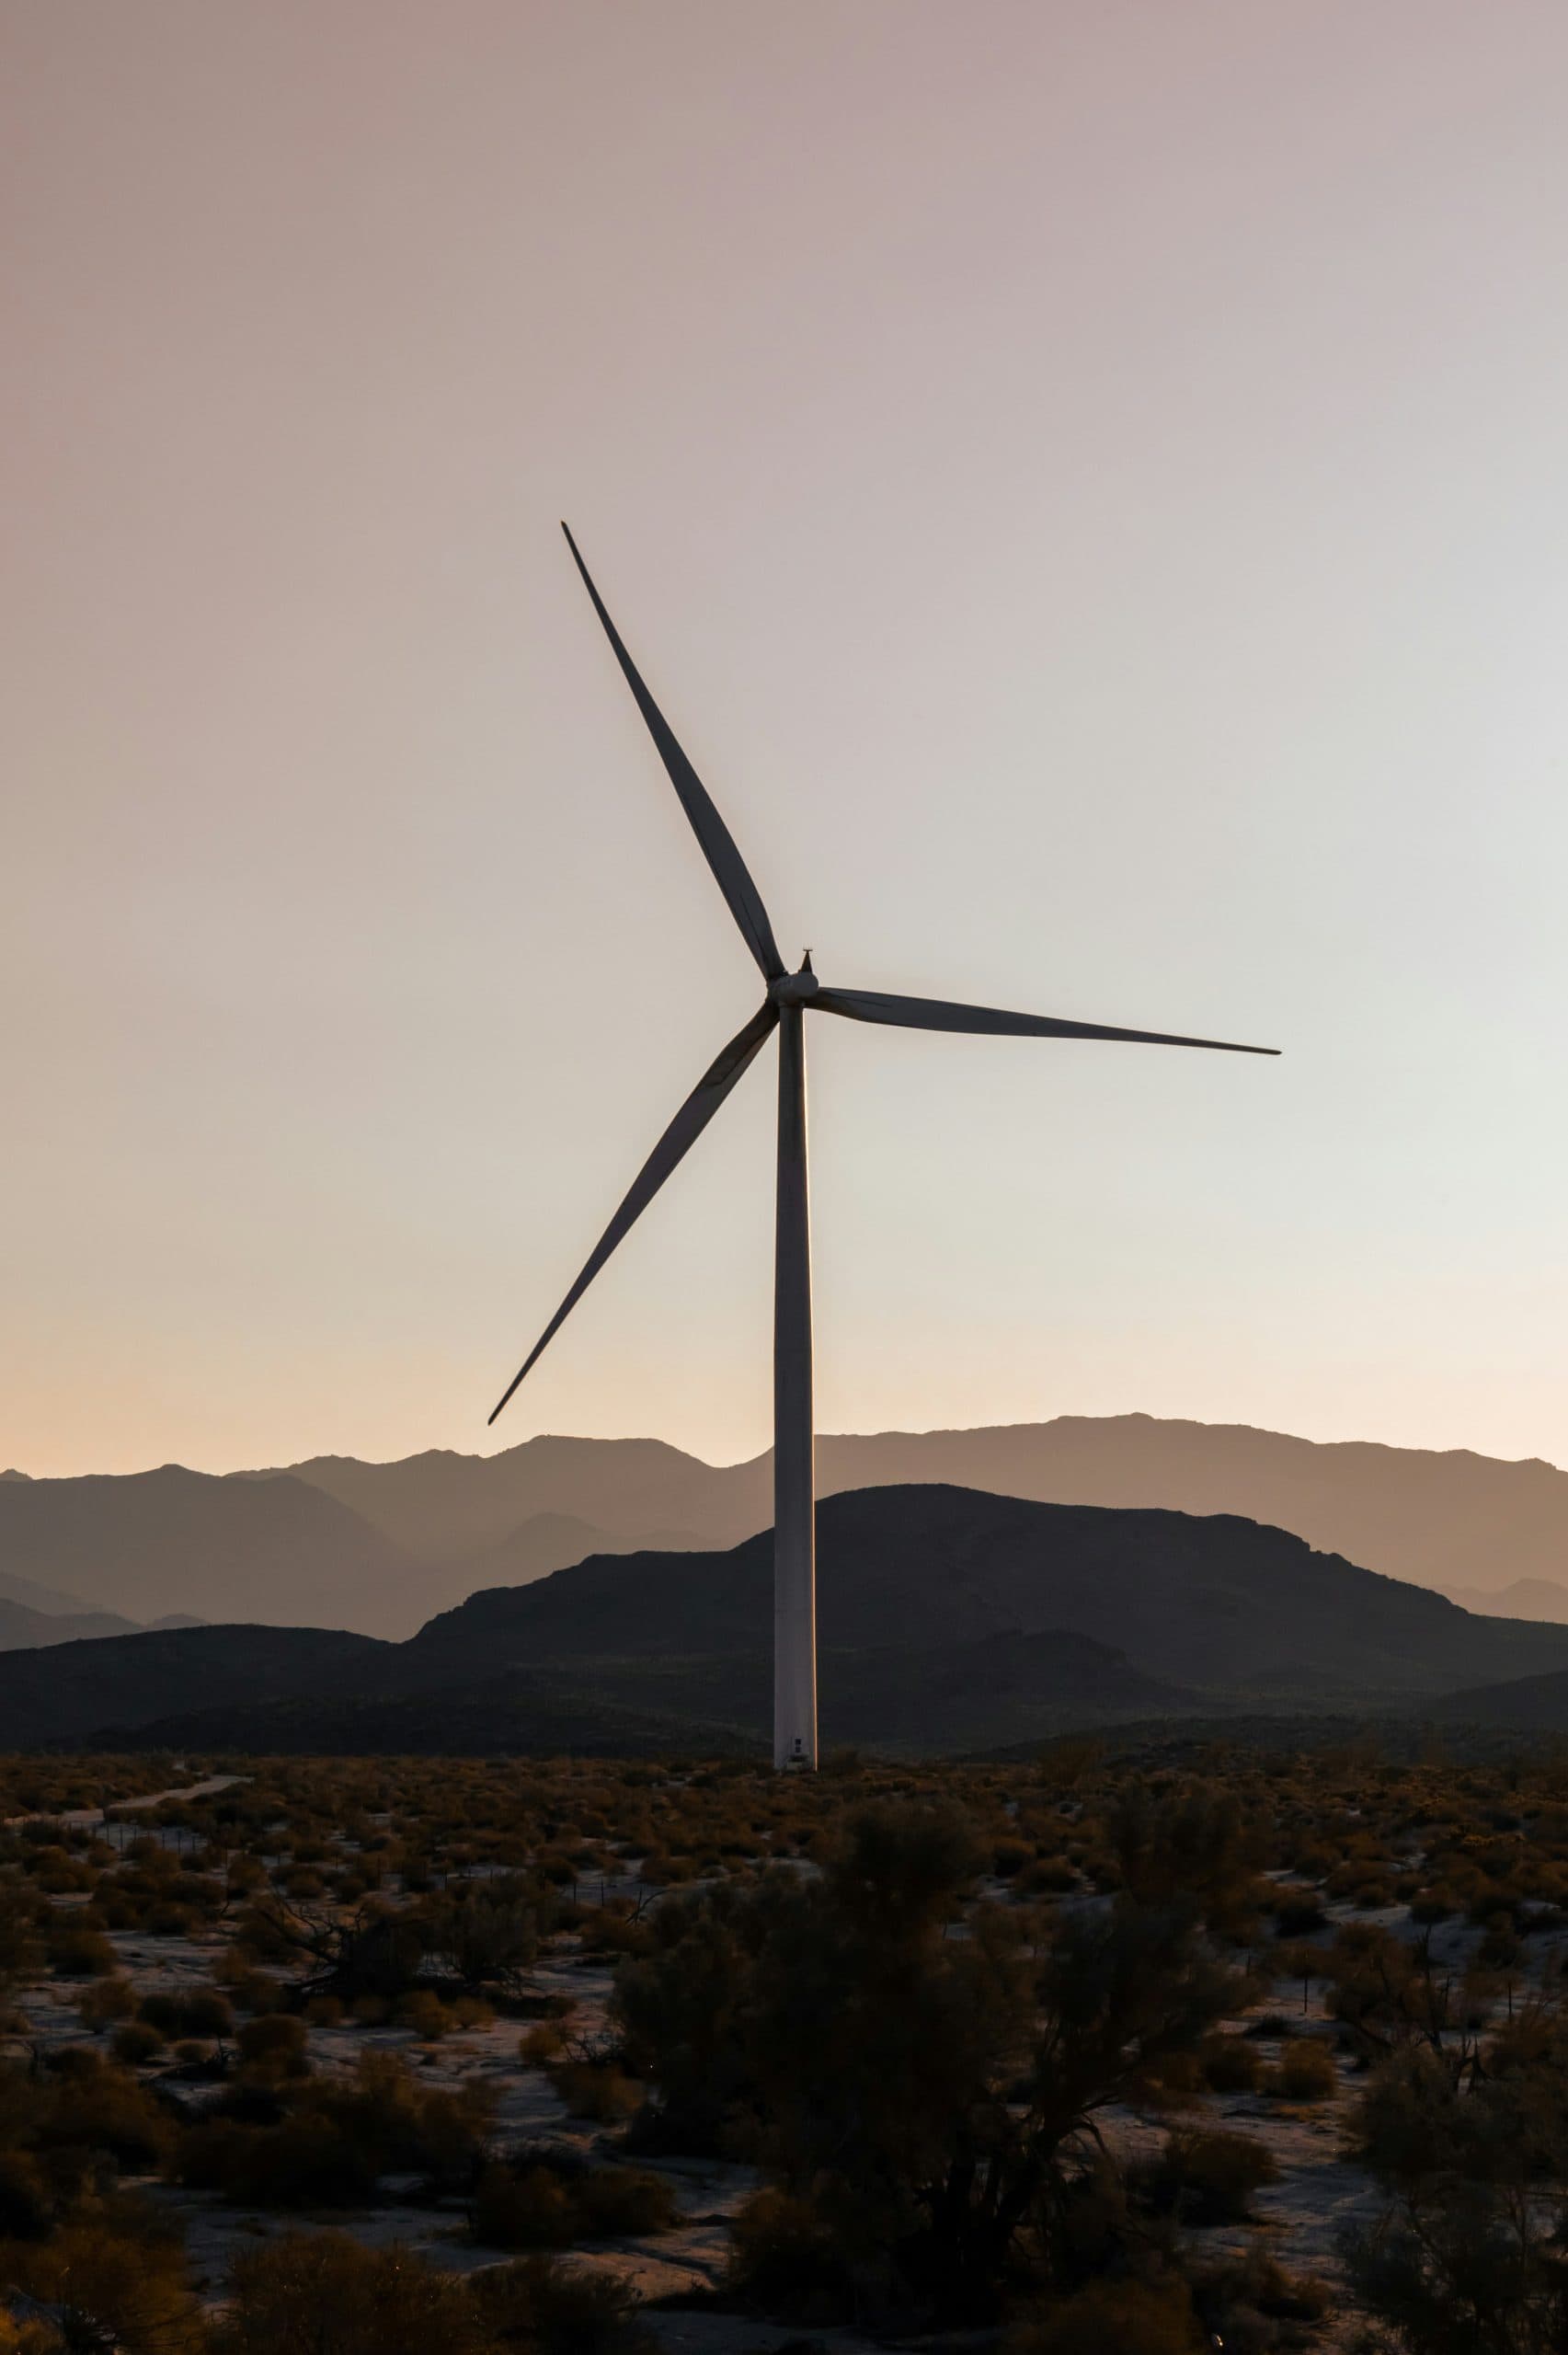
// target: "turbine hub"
[[796, 989]]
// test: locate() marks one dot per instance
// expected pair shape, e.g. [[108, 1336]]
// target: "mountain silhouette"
[[22, 1629], [381, 1547], [948, 1618], [1214, 1600], [1531, 1704], [147, 1545], [72, 1690]]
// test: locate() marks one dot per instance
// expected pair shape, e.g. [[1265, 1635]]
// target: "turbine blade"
[[672, 1149], [718, 845], [939, 1014]]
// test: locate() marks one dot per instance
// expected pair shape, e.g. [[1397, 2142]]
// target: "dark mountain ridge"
[[1213, 1601], [948, 1617], [72, 1690]]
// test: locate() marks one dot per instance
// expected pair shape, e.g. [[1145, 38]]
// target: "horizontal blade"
[[672, 1149], [718, 844], [938, 1014]]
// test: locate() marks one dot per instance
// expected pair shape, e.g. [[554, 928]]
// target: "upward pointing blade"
[[718, 845], [672, 1149], [939, 1014]]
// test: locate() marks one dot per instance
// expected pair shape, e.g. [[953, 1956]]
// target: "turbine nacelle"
[[796, 989]]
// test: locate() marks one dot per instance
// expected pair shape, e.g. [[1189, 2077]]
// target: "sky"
[[1089, 488]]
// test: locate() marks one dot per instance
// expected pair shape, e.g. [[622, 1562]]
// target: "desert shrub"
[[1132, 2317], [136, 2042], [1306, 2071], [303, 2162], [617, 2202], [1474, 2151], [105, 2001], [325, 2292], [490, 1935], [545, 2199], [893, 2080], [275, 2044], [529, 2208], [1249, 2304], [200, 2012], [542, 2043], [597, 2088], [1296, 1914], [1447, 2271], [549, 2309], [1052, 1875], [1230, 2065], [100, 2107], [337, 2136], [76, 1952], [785, 2259], [1207, 2177], [1197, 1845], [121, 2280], [27, 2202], [256, 1992], [424, 2014]]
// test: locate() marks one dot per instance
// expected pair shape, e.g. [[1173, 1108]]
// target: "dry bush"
[[1305, 2072], [1129, 2317], [105, 2001], [275, 2044], [325, 2293], [543, 2201], [121, 2280], [1205, 2176], [597, 2089], [1230, 2065]]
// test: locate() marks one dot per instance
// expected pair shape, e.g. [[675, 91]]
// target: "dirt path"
[[86, 1818]]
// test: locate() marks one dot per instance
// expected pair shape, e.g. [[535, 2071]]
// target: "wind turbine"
[[789, 995]]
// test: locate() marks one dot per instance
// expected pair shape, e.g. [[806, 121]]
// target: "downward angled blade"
[[938, 1014], [672, 1149], [718, 844]]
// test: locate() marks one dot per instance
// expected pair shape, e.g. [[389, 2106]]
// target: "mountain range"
[[379, 1547], [24, 1629], [949, 1618]]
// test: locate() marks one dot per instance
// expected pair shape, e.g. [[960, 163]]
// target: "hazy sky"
[[1090, 486]]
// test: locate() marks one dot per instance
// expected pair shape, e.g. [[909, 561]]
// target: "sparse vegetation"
[[1013, 2044]]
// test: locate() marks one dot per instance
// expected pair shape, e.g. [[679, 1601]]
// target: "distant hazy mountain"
[[150, 1544], [551, 1541], [1438, 1519], [1526, 1599], [948, 1618], [445, 1507], [24, 1630], [50, 1600], [380, 1546]]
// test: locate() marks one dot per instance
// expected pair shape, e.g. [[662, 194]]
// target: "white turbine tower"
[[789, 995]]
